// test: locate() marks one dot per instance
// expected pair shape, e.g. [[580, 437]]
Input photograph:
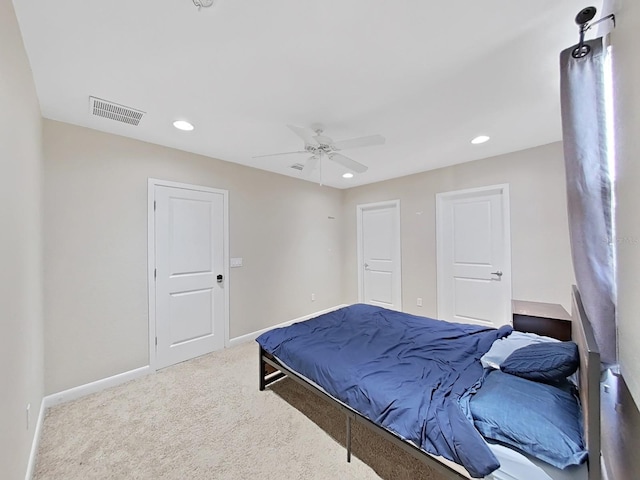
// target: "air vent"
[[113, 111], [297, 166]]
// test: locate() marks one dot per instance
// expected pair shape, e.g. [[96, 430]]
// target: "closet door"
[[474, 256]]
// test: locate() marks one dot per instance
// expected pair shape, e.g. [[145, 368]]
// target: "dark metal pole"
[[348, 438], [261, 366]]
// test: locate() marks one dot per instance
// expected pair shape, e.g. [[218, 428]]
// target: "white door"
[[189, 273], [474, 256], [379, 262]]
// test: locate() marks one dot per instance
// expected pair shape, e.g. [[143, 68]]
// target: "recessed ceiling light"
[[347, 175], [480, 139], [183, 125]]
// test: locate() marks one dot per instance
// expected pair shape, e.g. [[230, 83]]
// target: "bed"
[[441, 382]]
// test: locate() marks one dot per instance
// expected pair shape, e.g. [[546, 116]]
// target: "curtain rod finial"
[[585, 15]]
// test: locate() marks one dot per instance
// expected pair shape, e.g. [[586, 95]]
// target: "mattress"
[[514, 465], [403, 372]]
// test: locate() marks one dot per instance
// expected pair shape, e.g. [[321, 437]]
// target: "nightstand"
[[549, 319]]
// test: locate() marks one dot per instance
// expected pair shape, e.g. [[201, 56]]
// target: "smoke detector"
[[114, 111]]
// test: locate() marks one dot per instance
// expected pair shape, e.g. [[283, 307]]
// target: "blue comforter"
[[401, 371]]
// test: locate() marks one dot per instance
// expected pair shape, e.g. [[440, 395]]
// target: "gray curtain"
[[589, 189]]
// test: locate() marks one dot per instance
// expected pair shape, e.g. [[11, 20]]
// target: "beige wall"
[[627, 87], [95, 231], [96, 248], [541, 258], [21, 374], [96, 241]]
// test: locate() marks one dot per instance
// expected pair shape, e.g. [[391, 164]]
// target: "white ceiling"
[[428, 76]]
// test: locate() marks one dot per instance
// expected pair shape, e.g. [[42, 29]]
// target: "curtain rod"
[[582, 19]]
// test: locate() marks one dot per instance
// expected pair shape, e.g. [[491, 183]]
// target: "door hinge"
[[154, 205], [156, 341], [155, 273]]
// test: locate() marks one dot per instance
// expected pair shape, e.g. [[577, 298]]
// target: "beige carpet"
[[206, 419]]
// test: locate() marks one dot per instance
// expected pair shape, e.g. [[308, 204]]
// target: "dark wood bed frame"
[[589, 380], [271, 370]]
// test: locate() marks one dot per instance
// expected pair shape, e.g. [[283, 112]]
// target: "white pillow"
[[505, 346]]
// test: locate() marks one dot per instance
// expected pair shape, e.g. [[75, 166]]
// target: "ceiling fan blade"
[[348, 163], [311, 164], [278, 154], [305, 134], [358, 142]]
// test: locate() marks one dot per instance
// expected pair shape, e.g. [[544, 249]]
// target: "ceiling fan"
[[317, 144]]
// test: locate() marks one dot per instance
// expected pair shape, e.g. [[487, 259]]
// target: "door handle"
[[498, 273], [219, 278], [366, 266]]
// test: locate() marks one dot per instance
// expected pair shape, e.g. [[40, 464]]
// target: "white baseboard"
[[72, 394], [603, 469], [252, 336], [93, 387], [99, 385], [35, 443]]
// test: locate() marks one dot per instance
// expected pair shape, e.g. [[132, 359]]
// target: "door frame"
[[395, 204], [441, 199], [151, 257]]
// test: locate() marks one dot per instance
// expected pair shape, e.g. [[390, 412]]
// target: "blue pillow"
[[536, 418], [544, 362], [502, 348]]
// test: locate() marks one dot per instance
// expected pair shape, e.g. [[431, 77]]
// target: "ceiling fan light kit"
[[319, 145]]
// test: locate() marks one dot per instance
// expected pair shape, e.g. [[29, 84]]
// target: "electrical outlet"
[[419, 302], [313, 297], [28, 415]]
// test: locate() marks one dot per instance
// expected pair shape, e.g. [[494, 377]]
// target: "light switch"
[[236, 262]]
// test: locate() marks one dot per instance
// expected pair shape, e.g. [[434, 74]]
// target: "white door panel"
[[378, 229], [472, 232], [195, 306], [379, 269], [191, 244], [189, 255], [481, 307], [379, 287], [474, 256]]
